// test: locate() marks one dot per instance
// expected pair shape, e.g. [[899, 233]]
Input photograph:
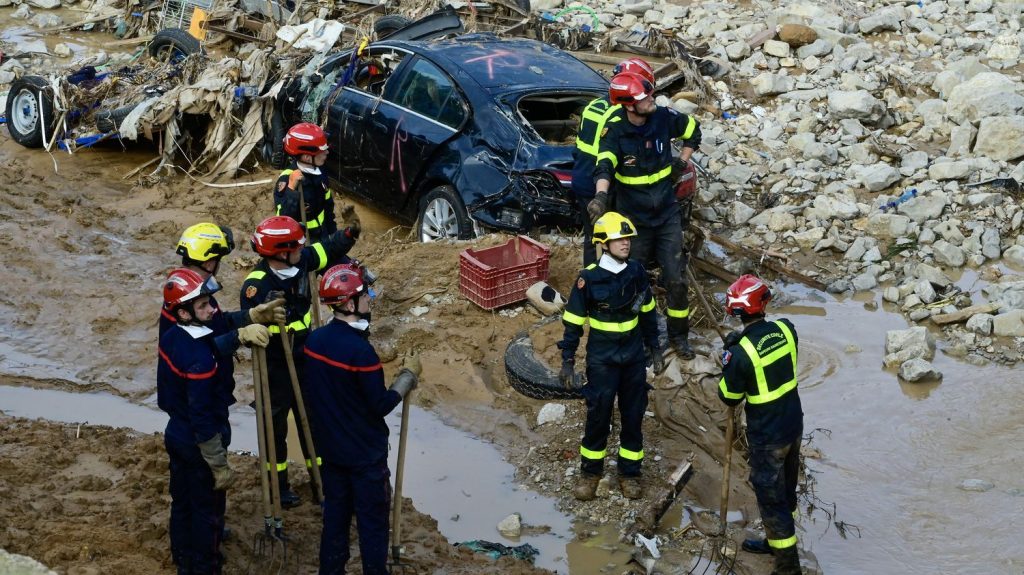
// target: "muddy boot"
[[630, 487], [787, 562], [586, 487], [683, 350], [759, 546], [289, 498]]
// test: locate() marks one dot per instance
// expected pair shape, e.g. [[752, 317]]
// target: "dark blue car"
[[457, 135]]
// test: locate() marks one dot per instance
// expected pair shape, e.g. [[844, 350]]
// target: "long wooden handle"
[[396, 514], [268, 420], [259, 362], [730, 431], [313, 287], [704, 302], [300, 405]]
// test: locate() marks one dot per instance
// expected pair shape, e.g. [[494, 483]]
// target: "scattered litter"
[[525, 552], [651, 544]]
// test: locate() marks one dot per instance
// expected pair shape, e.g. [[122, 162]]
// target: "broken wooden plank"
[[964, 314], [131, 41], [93, 20], [767, 258], [647, 520], [714, 269]]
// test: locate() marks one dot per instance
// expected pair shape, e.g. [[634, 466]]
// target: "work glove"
[[405, 382], [732, 339], [567, 375], [657, 361], [254, 334], [272, 312], [597, 206], [216, 456], [411, 363]]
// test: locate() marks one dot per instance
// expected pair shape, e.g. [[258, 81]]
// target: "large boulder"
[[984, 95], [1009, 324], [858, 104], [919, 370], [1001, 138], [911, 343]]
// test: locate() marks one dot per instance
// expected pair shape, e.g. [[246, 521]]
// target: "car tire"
[[388, 25], [110, 120], [172, 43], [29, 108], [443, 216], [532, 377]]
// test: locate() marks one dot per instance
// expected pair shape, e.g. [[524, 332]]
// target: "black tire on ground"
[[388, 25], [110, 120], [443, 215], [530, 376], [26, 118], [273, 142], [172, 43]]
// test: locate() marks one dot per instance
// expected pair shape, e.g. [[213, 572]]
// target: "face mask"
[[361, 325], [308, 169]]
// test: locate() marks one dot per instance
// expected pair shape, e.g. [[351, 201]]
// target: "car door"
[[418, 113]]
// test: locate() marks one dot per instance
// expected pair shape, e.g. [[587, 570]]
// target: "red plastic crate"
[[499, 276]]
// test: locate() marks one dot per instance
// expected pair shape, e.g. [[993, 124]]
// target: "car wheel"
[[29, 109], [532, 377], [172, 44], [388, 25], [443, 216]]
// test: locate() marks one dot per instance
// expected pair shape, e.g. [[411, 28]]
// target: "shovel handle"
[[300, 407], [396, 512], [730, 431]]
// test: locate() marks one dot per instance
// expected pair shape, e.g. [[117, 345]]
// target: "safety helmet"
[[305, 138], [342, 283], [612, 226], [205, 241], [184, 285], [636, 66], [277, 235], [748, 296], [628, 88]]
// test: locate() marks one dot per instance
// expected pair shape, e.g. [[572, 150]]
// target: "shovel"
[[396, 565], [314, 468]]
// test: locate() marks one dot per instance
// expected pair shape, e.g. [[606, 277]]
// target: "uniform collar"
[[196, 331], [307, 169], [286, 273], [611, 264]]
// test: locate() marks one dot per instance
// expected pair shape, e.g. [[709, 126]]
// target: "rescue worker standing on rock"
[[348, 402], [759, 364], [307, 146], [194, 388], [614, 296], [637, 153], [283, 273], [593, 119]]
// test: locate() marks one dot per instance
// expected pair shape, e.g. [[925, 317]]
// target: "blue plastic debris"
[[728, 115], [907, 195], [525, 552]]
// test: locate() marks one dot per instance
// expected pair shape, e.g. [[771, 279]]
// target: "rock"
[[891, 294], [977, 485], [913, 162], [924, 290], [858, 104], [990, 243], [864, 282], [652, 16], [797, 35], [826, 207], [551, 413], [979, 5], [858, 248], [46, 20], [776, 48], [1010, 323], [961, 140], [419, 310], [735, 174], [932, 274], [1005, 47], [22, 565], [888, 18], [824, 153], [919, 370], [44, 4], [956, 170], [1001, 138], [511, 526], [62, 50], [915, 339], [932, 112], [22, 13], [878, 176], [808, 239], [767, 84], [740, 213], [984, 95], [1014, 255], [820, 47], [923, 208], [948, 254], [980, 323], [737, 50]]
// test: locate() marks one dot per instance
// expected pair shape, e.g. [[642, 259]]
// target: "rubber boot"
[[787, 562], [586, 487], [681, 341], [758, 546], [631, 488], [289, 498]]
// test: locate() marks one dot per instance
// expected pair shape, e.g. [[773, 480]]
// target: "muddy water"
[[25, 37]]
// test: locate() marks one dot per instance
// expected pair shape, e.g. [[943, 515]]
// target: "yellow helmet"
[[612, 226], [205, 241]]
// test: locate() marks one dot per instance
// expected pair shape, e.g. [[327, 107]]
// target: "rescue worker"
[[637, 153], [592, 125], [306, 145], [348, 402], [194, 388], [615, 297], [759, 365], [283, 272]]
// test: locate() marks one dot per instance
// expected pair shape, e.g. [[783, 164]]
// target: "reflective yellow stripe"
[[620, 327], [592, 454], [280, 466], [327, 195], [316, 222], [678, 312], [631, 455], [297, 325], [691, 125], [725, 391], [641, 180], [782, 543], [319, 462], [572, 318], [760, 363], [321, 253], [287, 172], [648, 306], [256, 275], [608, 156], [596, 113]]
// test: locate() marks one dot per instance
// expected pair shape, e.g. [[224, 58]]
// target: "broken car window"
[[429, 91]]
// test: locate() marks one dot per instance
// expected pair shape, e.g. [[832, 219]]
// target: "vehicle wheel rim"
[[439, 221], [25, 111]]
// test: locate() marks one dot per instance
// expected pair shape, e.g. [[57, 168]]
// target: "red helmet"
[[629, 88], [636, 66], [747, 296], [342, 283], [277, 235], [305, 138], [184, 285]]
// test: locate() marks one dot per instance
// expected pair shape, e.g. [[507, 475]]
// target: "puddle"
[[468, 495]]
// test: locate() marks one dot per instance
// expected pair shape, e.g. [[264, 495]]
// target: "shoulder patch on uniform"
[[250, 292], [281, 186], [604, 132], [726, 356], [580, 283]]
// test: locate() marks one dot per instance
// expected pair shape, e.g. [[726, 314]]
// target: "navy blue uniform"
[[638, 162], [592, 125], [255, 290], [762, 369], [347, 405], [620, 310], [316, 191], [193, 389]]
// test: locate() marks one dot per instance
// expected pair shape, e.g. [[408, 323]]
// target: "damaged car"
[[455, 135]]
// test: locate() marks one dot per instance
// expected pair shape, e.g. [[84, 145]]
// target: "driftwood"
[[767, 258], [964, 314], [647, 520]]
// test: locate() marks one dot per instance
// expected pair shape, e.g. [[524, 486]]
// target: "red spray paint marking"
[[396, 152], [501, 58]]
